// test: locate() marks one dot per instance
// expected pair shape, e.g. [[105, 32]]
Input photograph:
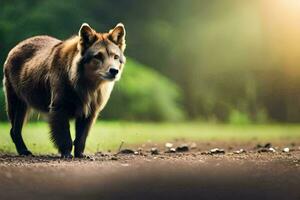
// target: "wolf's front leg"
[[60, 132], [82, 126]]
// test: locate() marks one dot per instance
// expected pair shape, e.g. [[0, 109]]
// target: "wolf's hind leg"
[[16, 110]]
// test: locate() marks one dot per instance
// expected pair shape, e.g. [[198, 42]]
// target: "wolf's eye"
[[116, 57], [99, 56]]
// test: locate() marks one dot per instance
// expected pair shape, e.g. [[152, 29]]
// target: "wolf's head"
[[101, 55]]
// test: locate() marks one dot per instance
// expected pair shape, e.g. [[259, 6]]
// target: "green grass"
[[108, 135]]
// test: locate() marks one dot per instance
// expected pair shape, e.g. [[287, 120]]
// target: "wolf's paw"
[[66, 156], [80, 155], [25, 152]]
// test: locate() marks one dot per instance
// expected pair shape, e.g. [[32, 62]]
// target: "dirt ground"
[[198, 173]]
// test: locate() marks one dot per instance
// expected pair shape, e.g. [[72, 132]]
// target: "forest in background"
[[227, 61]]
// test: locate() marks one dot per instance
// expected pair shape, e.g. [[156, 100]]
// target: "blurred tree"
[[144, 94]]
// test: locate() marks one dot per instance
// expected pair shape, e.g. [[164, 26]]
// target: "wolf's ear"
[[87, 35], [117, 35]]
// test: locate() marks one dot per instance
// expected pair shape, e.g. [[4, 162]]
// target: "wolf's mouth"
[[108, 77]]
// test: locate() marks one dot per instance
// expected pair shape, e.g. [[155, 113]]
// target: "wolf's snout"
[[113, 71]]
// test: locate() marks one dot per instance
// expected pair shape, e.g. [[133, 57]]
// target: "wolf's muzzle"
[[113, 72]]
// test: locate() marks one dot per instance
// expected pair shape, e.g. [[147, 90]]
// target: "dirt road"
[[195, 174]]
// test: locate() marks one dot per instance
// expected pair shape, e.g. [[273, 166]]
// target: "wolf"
[[70, 79]]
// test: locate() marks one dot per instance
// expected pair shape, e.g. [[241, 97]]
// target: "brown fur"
[[66, 79]]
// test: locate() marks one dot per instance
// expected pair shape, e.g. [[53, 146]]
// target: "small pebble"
[[92, 159], [286, 150], [169, 145], [267, 150], [217, 151], [154, 151], [114, 158], [182, 148], [239, 151], [126, 151], [271, 149], [206, 153], [171, 150]]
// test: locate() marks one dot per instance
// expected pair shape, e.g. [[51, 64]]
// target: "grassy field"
[[108, 135]]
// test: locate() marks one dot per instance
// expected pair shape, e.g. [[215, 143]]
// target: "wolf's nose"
[[113, 71]]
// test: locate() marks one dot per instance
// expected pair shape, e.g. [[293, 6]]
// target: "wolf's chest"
[[97, 100]]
